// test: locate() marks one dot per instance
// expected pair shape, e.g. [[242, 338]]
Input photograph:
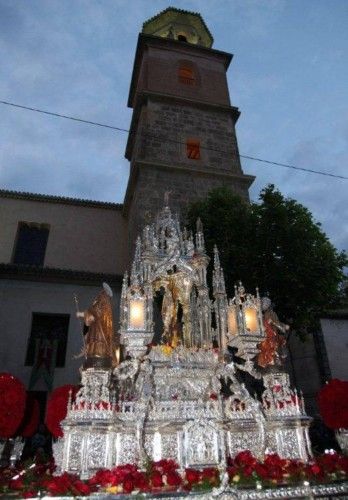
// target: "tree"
[[276, 245]]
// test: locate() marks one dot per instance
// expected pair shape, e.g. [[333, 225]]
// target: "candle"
[[137, 314], [251, 322], [232, 320]]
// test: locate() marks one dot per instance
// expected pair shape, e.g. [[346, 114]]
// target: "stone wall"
[[165, 128], [185, 186]]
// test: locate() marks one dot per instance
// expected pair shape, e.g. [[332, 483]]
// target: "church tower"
[[182, 137]]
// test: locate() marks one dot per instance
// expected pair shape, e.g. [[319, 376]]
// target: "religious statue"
[[270, 348], [101, 349], [177, 292]]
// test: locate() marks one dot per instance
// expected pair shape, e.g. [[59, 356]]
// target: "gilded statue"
[[101, 349], [271, 348], [177, 291]]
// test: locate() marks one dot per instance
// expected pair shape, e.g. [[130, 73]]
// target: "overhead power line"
[[119, 129]]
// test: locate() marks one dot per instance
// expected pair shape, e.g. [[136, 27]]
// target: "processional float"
[[178, 393]]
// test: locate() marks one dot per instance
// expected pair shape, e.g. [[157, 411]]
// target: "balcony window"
[[31, 242]]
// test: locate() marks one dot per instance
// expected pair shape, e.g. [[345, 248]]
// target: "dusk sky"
[[289, 78]]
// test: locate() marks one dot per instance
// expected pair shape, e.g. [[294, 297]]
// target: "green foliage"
[[276, 245]]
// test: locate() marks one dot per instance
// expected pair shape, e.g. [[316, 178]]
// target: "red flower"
[[59, 484], [82, 487], [17, 484], [141, 482], [343, 464], [102, 477], [128, 485], [12, 397], [315, 469], [165, 465], [329, 462], [29, 494], [211, 475], [156, 479], [173, 479], [262, 471], [57, 408], [333, 404], [274, 460], [213, 396], [245, 458], [193, 476]]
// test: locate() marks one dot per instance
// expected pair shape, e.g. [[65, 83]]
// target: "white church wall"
[[19, 300], [83, 238]]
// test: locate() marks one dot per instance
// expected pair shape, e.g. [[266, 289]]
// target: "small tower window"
[[193, 149], [186, 75]]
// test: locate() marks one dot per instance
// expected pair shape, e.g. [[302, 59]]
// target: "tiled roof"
[[20, 195]]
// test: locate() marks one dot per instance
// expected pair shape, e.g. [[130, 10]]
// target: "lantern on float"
[[136, 318], [136, 311], [245, 324]]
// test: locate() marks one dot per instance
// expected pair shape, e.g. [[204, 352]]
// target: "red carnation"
[[128, 485], [140, 481], [16, 484], [156, 479], [173, 479], [57, 408], [262, 471], [245, 458], [29, 494], [165, 465], [12, 397], [210, 474], [82, 487], [193, 476], [333, 404]]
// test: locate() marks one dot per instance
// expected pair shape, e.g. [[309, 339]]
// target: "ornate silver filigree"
[[166, 402]]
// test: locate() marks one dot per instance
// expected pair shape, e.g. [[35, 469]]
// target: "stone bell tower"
[[182, 136]]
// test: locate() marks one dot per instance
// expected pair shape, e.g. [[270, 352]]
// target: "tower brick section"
[[179, 95]]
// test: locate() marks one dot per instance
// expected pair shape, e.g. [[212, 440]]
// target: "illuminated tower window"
[[186, 75], [193, 149]]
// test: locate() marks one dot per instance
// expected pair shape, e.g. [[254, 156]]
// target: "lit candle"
[[251, 322], [232, 320], [137, 314]]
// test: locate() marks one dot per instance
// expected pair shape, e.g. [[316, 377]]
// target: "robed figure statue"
[[271, 349], [101, 348]]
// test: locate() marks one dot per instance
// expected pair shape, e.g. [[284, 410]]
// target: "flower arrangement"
[[165, 476], [12, 397], [333, 404], [57, 408]]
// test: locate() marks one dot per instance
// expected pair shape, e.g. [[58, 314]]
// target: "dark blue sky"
[[289, 77]]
